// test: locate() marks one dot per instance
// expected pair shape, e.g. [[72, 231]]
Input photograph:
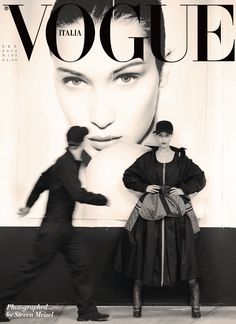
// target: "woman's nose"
[[101, 111]]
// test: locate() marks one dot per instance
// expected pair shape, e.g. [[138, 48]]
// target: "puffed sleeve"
[[194, 178], [133, 177]]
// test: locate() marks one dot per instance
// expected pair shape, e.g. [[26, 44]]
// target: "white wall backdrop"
[[199, 98]]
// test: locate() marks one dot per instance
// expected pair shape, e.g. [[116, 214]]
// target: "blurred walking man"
[[56, 233]]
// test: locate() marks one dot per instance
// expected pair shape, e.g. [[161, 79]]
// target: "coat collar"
[[71, 157], [181, 150]]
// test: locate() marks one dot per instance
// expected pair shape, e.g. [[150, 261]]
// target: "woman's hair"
[[98, 8]]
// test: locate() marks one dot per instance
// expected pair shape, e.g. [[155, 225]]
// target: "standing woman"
[[158, 247]]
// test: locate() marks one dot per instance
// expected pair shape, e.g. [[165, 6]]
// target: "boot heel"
[[137, 312], [195, 298], [137, 300], [196, 313]]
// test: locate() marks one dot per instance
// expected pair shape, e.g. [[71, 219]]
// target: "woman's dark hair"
[[97, 9]]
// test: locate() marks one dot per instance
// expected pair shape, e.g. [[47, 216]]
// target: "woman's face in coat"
[[116, 101], [163, 139]]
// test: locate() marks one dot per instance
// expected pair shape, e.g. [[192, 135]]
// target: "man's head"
[[75, 136]]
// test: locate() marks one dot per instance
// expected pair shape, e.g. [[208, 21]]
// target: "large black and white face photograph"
[[119, 101]]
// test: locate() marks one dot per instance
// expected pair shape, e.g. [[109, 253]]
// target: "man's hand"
[[23, 211], [152, 188], [176, 191]]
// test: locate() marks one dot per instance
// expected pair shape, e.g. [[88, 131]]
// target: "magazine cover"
[[118, 76]]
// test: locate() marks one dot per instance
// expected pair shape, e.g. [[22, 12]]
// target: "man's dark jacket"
[[61, 179]]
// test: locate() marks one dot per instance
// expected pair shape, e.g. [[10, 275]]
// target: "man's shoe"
[[96, 316], [3, 317]]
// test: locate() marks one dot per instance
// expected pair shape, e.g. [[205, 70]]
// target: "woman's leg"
[[195, 298], [137, 299]]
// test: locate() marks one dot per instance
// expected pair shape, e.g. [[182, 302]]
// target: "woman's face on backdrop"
[[116, 101]]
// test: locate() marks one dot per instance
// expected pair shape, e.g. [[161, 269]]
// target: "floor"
[[22, 314]]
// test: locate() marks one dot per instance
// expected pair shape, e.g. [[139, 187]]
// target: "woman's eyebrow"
[[123, 67], [78, 74]]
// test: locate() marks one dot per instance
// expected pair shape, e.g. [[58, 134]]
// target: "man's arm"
[[68, 174], [41, 185]]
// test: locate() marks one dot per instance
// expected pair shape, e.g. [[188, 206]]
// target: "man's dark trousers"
[[51, 239]]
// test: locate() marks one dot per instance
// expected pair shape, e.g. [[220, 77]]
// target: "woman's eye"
[[127, 79], [72, 82]]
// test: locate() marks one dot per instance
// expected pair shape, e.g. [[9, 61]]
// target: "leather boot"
[[195, 298], [137, 299], [3, 317]]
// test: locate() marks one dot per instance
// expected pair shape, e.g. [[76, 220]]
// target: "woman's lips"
[[104, 138], [101, 142]]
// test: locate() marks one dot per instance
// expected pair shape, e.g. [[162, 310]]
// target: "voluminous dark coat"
[[184, 174], [161, 252]]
